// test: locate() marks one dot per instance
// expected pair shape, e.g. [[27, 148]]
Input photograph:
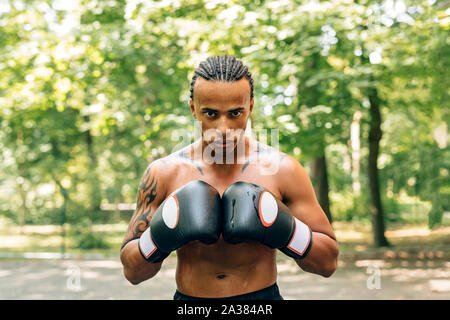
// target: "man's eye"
[[210, 114], [236, 114]]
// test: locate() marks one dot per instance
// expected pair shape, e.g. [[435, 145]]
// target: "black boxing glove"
[[251, 212], [192, 212]]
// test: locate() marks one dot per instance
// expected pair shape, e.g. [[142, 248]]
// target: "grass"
[[358, 237], [352, 237], [48, 238]]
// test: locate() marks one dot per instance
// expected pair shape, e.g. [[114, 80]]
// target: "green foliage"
[[85, 238], [92, 92], [392, 208], [349, 206]]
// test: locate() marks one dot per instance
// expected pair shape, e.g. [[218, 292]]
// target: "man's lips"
[[223, 143]]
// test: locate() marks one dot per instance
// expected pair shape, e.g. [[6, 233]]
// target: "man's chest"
[[257, 172]]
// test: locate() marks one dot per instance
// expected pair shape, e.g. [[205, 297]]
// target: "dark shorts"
[[269, 293]]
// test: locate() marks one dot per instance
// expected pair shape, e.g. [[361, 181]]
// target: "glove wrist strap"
[[148, 249], [301, 241]]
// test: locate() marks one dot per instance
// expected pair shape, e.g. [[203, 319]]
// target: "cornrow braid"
[[222, 68]]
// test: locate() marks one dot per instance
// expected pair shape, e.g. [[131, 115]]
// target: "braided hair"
[[223, 68]]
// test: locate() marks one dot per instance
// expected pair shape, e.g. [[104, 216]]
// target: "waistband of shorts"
[[270, 293]]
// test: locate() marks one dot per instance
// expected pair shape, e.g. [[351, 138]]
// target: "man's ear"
[[191, 105], [251, 104]]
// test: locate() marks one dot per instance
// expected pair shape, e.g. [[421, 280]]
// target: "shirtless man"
[[222, 102]]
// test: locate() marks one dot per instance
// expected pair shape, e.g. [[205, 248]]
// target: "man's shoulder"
[[170, 163], [285, 161], [272, 161], [163, 164], [291, 176]]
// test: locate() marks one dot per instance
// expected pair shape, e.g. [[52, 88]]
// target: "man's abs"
[[223, 270]]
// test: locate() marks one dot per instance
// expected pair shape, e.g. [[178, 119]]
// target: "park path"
[[103, 279]]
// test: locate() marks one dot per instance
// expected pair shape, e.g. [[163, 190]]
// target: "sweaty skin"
[[222, 269]]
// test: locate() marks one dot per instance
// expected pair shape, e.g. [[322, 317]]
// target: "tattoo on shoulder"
[[260, 151], [184, 155]]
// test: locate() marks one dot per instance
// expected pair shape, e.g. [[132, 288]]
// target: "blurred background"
[[92, 91]]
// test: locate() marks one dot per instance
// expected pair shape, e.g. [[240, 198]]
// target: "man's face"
[[223, 109]]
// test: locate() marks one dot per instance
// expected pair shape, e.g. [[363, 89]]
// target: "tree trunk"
[[20, 185], [376, 208], [63, 215], [23, 207], [95, 195], [320, 177], [319, 174], [355, 147]]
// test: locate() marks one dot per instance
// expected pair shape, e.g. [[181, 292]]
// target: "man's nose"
[[223, 127]]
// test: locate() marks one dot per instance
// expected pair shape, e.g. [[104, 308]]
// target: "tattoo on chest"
[[183, 154], [261, 150]]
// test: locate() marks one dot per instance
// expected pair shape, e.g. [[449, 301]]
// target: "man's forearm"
[[322, 257], [135, 268]]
